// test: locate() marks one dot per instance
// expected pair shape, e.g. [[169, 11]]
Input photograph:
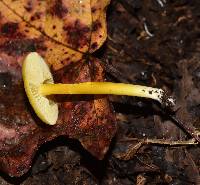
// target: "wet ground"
[[154, 43]]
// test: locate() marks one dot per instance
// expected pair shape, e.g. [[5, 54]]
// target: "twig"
[[161, 141], [188, 128], [110, 69], [113, 49]]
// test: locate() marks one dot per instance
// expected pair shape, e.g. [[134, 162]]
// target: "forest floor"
[[154, 43]]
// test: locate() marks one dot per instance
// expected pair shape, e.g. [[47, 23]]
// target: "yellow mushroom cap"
[[36, 72]]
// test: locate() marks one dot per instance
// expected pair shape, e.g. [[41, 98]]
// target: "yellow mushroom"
[[38, 83]]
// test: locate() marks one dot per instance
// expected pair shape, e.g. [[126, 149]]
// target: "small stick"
[[161, 141], [189, 129]]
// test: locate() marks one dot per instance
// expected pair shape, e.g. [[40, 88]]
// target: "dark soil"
[[154, 43]]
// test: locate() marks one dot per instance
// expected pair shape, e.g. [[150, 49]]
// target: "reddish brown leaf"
[[62, 32]]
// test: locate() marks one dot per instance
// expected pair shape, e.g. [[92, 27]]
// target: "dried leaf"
[[63, 30], [64, 33]]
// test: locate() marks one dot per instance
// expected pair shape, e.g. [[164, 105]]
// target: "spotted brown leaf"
[[65, 33]]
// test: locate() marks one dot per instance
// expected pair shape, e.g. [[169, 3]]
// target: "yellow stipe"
[[102, 88]]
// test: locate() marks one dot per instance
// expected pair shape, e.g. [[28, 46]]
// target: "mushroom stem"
[[106, 88]]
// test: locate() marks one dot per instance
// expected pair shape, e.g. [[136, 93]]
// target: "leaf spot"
[[58, 9], [77, 34], [9, 28]]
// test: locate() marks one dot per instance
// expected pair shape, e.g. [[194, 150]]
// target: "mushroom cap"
[[36, 72]]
